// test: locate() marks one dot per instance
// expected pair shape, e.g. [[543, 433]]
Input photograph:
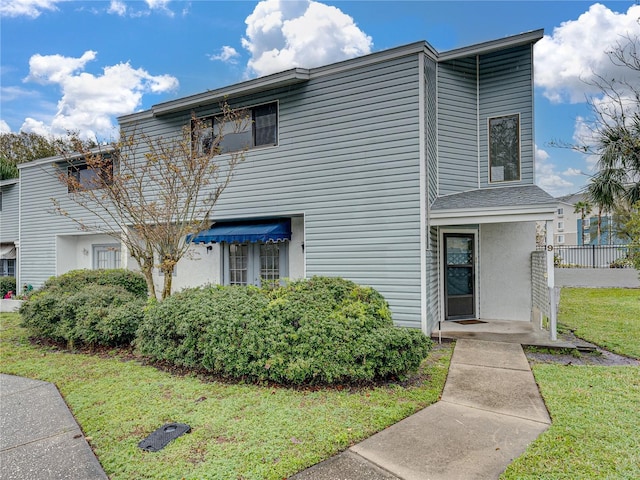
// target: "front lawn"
[[608, 317], [238, 430], [594, 434], [594, 410]]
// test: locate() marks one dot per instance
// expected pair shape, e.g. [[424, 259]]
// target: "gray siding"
[[348, 159], [457, 126], [506, 79], [433, 281], [467, 98], [10, 214], [40, 226]]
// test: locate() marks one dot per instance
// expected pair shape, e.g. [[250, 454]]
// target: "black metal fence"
[[591, 256]]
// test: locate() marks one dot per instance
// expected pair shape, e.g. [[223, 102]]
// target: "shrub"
[[321, 330], [99, 307], [7, 284], [133, 282]]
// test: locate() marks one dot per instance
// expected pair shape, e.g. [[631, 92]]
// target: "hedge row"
[[322, 330], [316, 331]]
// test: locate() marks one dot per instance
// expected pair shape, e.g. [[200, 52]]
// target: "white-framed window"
[[587, 238], [586, 223], [560, 212], [560, 226], [504, 148], [106, 256], [560, 239], [8, 267], [254, 263], [254, 127]]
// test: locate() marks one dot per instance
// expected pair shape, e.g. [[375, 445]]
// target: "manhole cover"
[[162, 436]]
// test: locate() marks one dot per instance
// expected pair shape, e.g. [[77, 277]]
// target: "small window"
[[560, 226], [561, 211], [560, 239], [8, 267], [504, 148], [90, 177], [258, 128], [586, 223], [106, 256]]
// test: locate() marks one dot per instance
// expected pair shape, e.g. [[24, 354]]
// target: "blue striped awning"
[[245, 232]]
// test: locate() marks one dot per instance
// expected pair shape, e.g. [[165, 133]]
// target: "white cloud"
[[26, 8], [117, 7], [227, 54], [572, 172], [4, 127], [548, 178], [285, 34], [566, 60], [161, 5], [89, 102]]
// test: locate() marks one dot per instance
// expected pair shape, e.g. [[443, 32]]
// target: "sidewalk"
[[490, 411], [40, 439]]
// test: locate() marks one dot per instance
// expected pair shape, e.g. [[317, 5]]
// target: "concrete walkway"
[[39, 438], [490, 411]]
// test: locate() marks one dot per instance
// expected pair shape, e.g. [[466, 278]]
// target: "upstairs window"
[[83, 176], [259, 127], [504, 148]]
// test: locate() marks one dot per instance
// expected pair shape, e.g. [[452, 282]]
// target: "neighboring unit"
[[9, 233], [409, 170]]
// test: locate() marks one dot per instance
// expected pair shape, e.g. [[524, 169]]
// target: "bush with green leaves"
[[101, 307], [133, 282], [7, 284], [317, 331]]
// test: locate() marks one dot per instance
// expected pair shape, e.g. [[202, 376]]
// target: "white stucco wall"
[[505, 270], [201, 266], [74, 252], [296, 249]]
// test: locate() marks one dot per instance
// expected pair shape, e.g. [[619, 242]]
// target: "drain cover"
[[162, 436]]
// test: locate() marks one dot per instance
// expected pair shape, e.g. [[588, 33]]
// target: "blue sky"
[[78, 65]]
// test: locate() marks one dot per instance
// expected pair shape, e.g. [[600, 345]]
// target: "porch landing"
[[506, 331]]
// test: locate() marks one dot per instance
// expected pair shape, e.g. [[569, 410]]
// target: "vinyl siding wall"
[[40, 227], [348, 160], [506, 80], [466, 100], [10, 214]]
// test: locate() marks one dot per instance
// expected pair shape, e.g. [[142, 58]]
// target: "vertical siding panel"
[[10, 214], [505, 88], [457, 126]]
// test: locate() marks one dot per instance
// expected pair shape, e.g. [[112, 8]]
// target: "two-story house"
[[409, 170]]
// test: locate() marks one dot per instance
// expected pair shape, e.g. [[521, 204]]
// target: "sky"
[[70, 65]]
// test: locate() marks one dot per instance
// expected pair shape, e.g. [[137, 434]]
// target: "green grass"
[[608, 317], [239, 431], [594, 410], [596, 420]]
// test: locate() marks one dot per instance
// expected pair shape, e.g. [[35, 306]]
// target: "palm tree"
[[604, 189], [584, 209]]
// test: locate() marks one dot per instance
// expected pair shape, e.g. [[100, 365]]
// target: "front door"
[[459, 268]]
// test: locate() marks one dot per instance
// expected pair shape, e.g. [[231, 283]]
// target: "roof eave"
[[493, 45], [277, 80], [458, 216]]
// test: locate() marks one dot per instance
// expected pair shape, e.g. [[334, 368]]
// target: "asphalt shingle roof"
[[489, 198]]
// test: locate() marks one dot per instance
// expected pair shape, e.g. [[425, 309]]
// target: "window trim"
[[519, 179], [251, 109]]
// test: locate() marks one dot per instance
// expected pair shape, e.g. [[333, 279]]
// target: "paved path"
[[39, 438], [490, 411]]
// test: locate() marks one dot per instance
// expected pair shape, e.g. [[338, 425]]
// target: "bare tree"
[[150, 192]]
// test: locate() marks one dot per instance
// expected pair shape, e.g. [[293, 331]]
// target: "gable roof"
[[491, 205]]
